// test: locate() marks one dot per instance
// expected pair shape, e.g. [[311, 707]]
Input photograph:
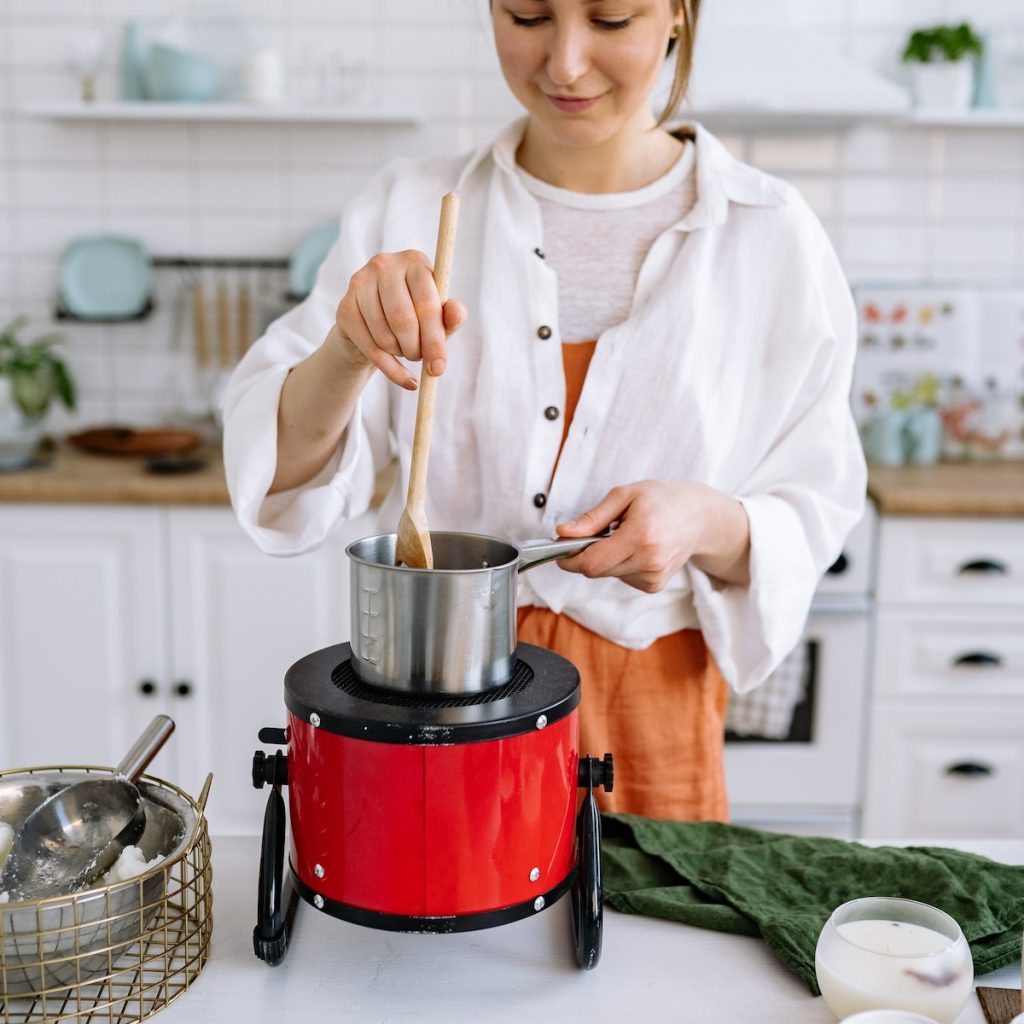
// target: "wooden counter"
[[949, 489], [73, 476]]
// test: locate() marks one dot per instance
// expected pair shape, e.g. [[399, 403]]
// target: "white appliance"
[[809, 780]]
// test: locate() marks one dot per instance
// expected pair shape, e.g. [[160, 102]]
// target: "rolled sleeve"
[[802, 500]]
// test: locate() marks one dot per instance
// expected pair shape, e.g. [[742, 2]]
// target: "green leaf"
[[64, 384]]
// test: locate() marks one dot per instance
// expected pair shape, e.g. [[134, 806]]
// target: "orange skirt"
[[659, 711]]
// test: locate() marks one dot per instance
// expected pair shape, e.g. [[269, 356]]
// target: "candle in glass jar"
[[865, 963]]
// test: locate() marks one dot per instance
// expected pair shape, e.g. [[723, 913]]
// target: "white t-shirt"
[[596, 243]]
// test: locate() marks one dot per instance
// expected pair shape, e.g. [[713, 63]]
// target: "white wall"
[[900, 204]]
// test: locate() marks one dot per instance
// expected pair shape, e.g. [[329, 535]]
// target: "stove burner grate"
[[345, 678]]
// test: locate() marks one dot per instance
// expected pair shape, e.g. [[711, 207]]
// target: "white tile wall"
[[901, 204]]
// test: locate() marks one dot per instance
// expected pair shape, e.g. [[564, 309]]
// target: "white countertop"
[[651, 971]]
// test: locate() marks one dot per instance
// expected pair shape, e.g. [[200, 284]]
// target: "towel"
[[784, 887]]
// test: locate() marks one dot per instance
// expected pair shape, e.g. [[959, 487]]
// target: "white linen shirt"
[[733, 370]]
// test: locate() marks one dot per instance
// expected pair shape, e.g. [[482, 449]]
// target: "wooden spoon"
[[413, 547]]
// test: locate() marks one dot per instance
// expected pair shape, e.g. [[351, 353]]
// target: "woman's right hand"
[[392, 309]]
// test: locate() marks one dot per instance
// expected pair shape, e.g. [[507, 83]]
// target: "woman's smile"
[[573, 104]]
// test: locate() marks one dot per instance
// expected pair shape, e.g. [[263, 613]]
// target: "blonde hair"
[[683, 45]]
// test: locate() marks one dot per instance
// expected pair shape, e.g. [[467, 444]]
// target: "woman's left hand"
[[661, 527]]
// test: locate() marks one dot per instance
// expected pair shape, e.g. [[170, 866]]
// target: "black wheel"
[[587, 902]]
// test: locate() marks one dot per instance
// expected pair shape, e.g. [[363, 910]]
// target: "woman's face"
[[584, 69]]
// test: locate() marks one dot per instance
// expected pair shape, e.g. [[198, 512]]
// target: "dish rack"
[[117, 953]]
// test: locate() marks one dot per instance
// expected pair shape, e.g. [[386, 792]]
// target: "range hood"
[[750, 58]]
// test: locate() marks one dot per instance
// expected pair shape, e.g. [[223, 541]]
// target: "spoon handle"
[[145, 748], [428, 382]]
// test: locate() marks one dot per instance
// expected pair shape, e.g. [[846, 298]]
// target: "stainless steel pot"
[[450, 629]]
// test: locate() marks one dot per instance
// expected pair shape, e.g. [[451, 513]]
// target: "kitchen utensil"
[[430, 813], [201, 326], [308, 255], [180, 76], [1000, 1005], [78, 833], [224, 341], [88, 947], [413, 547], [451, 629], [245, 329], [129, 441], [105, 277], [174, 465]]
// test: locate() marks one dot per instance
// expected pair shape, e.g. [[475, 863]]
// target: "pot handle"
[[537, 552]]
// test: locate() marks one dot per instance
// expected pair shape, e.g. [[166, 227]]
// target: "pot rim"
[[512, 562]]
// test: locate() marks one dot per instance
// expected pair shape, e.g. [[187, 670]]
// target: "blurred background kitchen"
[[171, 175]]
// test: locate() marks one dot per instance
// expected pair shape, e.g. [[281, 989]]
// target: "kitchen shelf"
[[282, 113], [982, 117]]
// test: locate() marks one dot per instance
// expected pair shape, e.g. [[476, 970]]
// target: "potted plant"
[[942, 61], [32, 375]]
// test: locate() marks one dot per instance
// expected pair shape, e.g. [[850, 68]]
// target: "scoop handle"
[[540, 551], [145, 748]]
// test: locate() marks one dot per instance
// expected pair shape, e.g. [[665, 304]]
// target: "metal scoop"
[[78, 833]]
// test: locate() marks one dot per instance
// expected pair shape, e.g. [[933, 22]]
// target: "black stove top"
[[544, 687]]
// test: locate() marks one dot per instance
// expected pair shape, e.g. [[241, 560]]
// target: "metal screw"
[[542, 721], [318, 870], [314, 720], [538, 903], [534, 874], [318, 901]]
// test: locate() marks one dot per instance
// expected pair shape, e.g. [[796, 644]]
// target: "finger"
[[384, 361], [400, 312], [602, 515], [609, 557], [372, 312], [427, 303], [454, 314]]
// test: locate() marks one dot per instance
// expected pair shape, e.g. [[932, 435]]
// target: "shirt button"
[[540, 500], [551, 412], [544, 332]]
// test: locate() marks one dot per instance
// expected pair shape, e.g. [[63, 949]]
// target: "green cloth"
[[784, 887]]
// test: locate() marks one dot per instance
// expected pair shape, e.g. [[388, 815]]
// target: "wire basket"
[[115, 953]]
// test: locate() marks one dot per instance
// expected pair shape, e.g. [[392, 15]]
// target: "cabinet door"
[[949, 653], [964, 562], [944, 772], [81, 633], [239, 619]]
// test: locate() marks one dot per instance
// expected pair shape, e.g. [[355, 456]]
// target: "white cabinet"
[[946, 754], [111, 614], [81, 629]]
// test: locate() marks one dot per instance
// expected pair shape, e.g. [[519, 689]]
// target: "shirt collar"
[[721, 178]]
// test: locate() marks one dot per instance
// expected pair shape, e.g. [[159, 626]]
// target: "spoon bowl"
[[79, 832]]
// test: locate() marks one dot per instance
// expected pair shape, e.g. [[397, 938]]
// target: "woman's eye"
[[526, 22], [613, 25]]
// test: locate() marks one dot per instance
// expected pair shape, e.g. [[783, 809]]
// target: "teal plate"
[[105, 277], [308, 256]]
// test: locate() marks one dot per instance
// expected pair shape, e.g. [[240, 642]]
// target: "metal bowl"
[[53, 944]]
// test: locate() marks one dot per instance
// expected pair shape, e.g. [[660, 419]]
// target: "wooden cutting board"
[[1000, 1005]]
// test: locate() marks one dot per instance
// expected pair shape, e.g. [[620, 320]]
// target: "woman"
[[660, 336]]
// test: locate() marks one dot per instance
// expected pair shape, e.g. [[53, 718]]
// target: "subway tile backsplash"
[[902, 205]]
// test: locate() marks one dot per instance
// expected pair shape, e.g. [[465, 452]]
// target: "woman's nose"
[[567, 60]]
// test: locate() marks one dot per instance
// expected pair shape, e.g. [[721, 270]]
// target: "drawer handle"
[[839, 566], [970, 769], [978, 659], [983, 567]]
